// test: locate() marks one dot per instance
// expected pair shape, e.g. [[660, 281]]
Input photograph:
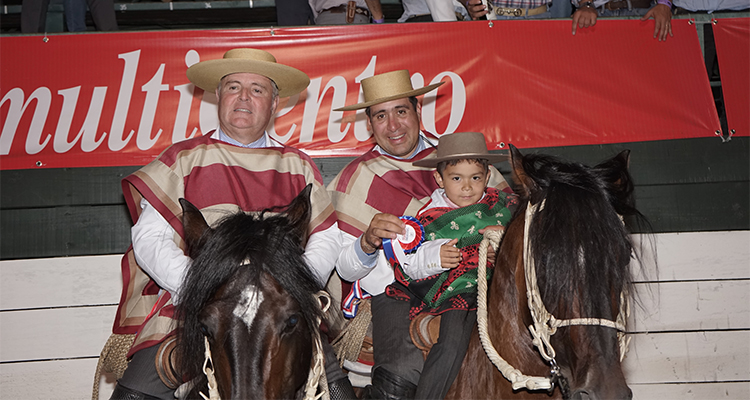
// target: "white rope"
[[318, 370], [545, 324], [213, 390], [517, 379]]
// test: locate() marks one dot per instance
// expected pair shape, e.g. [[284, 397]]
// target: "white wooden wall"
[[692, 330], [691, 333]]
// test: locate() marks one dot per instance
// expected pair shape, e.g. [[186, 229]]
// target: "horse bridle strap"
[[545, 324]]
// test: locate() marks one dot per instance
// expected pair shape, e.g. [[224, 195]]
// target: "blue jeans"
[[75, 15]]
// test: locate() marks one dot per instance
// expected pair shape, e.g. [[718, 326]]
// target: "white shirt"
[[712, 5], [159, 256]]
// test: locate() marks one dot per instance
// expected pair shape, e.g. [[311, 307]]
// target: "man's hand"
[[662, 16], [382, 226], [450, 255], [475, 8], [584, 18]]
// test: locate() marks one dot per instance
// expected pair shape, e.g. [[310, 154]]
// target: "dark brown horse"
[[581, 251], [250, 296]]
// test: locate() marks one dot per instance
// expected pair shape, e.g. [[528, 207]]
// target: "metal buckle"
[[515, 12], [556, 378]]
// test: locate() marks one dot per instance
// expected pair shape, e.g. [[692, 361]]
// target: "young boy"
[[454, 219]]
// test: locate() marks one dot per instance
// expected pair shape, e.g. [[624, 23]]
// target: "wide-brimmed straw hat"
[[207, 74], [461, 145], [386, 87]]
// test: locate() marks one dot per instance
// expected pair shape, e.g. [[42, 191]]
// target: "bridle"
[[316, 377], [545, 324]]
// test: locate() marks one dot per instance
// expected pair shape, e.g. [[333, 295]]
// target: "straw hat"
[[461, 145], [207, 74], [386, 87]]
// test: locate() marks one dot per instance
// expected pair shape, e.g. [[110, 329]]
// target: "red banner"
[[111, 99], [732, 37]]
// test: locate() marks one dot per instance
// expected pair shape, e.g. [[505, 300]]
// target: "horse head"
[[250, 297], [579, 250]]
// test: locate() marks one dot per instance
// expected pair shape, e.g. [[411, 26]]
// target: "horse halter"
[[545, 324], [317, 370]]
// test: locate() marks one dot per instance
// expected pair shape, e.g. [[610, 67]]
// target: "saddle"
[[166, 362], [424, 331]]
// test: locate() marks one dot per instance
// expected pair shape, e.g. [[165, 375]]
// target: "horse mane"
[[270, 246], [581, 247]]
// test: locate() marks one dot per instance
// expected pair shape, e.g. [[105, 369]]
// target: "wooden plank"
[[58, 379], [695, 391], [35, 188], [64, 231], [691, 306], [54, 333], [60, 282], [684, 185], [696, 207], [680, 161], [685, 161], [718, 356], [698, 256]]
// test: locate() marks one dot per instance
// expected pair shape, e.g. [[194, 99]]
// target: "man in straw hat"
[[236, 167], [369, 195]]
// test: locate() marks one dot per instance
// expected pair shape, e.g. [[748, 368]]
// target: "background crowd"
[[584, 13]]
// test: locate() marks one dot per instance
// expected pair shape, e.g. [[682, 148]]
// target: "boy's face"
[[464, 183]]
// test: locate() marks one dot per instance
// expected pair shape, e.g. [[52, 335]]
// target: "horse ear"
[[195, 227], [298, 213], [519, 173], [614, 173]]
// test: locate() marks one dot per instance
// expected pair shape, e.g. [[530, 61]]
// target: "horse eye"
[[291, 322], [204, 331]]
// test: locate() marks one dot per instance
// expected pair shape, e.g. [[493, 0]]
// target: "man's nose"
[[244, 94], [393, 123]]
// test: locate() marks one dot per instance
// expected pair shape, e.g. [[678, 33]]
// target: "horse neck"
[[508, 310]]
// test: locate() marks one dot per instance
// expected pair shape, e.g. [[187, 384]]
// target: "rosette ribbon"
[[409, 242], [351, 303]]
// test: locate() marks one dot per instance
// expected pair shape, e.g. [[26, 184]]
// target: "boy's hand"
[[450, 255], [490, 249]]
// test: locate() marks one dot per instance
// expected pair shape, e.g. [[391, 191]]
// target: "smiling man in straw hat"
[[370, 194], [237, 167]]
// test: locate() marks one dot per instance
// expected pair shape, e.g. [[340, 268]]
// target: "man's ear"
[[369, 124], [438, 179], [275, 104]]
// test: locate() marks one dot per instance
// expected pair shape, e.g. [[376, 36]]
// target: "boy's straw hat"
[[386, 87], [207, 74], [461, 145]]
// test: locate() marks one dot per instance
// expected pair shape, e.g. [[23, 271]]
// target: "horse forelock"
[[580, 245], [259, 242]]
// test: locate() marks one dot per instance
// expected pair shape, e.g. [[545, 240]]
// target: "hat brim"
[[208, 74], [415, 92], [433, 162]]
